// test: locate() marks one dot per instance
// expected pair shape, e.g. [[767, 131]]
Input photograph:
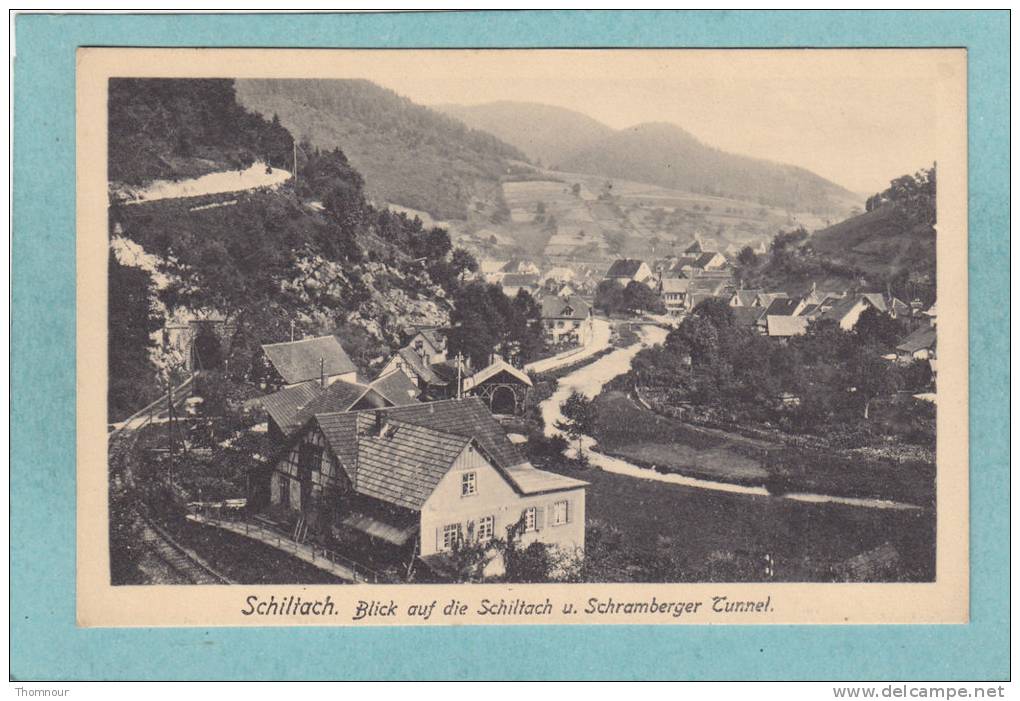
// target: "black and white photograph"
[[538, 317]]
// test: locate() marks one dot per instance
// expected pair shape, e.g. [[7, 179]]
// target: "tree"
[[609, 297], [878, 328], [575, 189], [638, 297], [871, 377], [462, 262], [747, 258], [579, 418], [132, 319]]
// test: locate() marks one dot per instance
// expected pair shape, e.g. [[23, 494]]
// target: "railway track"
[[121, 442], [190, 569]]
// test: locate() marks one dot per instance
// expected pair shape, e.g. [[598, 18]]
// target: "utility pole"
[[170, 429], [294, 143], [459, 366]]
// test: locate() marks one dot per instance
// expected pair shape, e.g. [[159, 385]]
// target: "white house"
[[419, 480]]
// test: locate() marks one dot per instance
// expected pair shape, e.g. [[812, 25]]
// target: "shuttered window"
[[561, 513]]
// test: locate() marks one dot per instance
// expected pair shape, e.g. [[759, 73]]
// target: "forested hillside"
[[664, 154], [170, 128], [318, 256], [894, 238], [545, 133], [410, 155]]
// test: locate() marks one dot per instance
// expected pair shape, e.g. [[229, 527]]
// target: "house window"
[[451, 536], [468, 484], [486, 528], [531, 519], [561, 512]]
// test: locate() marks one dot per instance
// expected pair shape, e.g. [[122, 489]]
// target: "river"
[[589, 381]]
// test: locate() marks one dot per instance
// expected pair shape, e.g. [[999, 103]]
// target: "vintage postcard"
[[450, 337]]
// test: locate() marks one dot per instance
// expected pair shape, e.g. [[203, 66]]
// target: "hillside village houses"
[[321, 359], [567, 319], [626, 270], [414, 482]]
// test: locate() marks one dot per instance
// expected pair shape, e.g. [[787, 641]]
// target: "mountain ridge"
[[653, 152]]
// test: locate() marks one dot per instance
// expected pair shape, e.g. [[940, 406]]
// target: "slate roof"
[[397, 388], [922, 338], [339, 396], [285, 405], [555, 307], [782, 307], [417, 445], [341, 432], [298, 361], [404, 465], [624, 267], [413, 361], [291, 407], [766, 298]]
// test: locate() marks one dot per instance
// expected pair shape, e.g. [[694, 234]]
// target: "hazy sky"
[[859, 118]]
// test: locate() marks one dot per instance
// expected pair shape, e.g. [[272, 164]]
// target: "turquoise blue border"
[[45, 644]]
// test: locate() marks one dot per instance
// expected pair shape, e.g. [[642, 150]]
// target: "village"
[[422, 472]]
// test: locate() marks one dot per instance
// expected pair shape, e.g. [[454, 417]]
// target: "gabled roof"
[[291, 407], [497, 366], [433, 336], [519, 280], [923, 338], [299, 361], [399, 455], [463, 417], [786, 325], [840, 308], [414, 362], [571, 307], [675, 285], [341, 432], [624, 267], [694, 247], [782, 307], [875, 299], [766, 298], [396, 388], [705, 258], [746, 297], [284, 405], [404, 465], [339, 396]]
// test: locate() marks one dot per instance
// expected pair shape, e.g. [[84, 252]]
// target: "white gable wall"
[[495, 497]]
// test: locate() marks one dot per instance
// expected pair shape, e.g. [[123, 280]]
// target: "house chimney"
[[380, 422], [322, 372]]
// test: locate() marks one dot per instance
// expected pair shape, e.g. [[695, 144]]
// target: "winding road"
[[589, 381]]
